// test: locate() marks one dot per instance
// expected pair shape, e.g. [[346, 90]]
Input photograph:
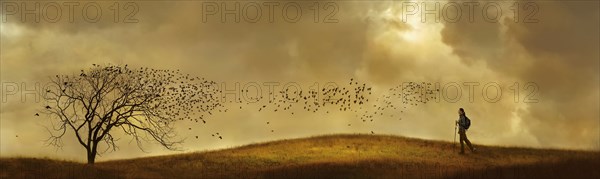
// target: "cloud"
[[558, 54]]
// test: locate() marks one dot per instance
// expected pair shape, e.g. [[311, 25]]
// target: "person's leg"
[[468, 142], [462, 138]]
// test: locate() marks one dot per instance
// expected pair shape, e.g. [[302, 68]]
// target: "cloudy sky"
[[544, 57]]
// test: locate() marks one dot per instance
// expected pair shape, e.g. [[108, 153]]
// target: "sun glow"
[[410, 35], [415, 32], [10, 30]]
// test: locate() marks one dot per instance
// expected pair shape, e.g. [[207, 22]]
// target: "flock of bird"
[[399, 99], [348, 97], [161, 96], [342, 98], [178, 96], [174, 95]]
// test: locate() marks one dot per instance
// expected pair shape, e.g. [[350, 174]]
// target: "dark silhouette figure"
[[462, 131]]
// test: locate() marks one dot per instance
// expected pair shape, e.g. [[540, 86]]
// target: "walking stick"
[[455, 135]]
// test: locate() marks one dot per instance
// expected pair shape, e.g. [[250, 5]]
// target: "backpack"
[[467, 123]]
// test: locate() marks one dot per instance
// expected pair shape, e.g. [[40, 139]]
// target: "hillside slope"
[[345, 156]]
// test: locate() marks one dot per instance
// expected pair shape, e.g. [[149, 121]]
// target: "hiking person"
[[463, 124]]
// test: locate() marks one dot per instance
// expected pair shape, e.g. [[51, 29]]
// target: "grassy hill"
[[339, 156]]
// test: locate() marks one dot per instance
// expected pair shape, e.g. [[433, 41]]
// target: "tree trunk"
[[91, 159], [91, 156]]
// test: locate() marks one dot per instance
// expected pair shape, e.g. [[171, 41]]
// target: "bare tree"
[[144, 103]]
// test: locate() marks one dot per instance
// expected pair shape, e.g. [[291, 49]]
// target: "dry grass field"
[[331, 156]]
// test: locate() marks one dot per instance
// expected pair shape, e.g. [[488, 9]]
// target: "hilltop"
[[339, 156]]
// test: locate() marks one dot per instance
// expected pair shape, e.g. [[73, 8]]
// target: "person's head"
[[461, 111]]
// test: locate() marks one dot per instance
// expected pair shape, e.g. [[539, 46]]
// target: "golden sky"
[[370, 41]]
